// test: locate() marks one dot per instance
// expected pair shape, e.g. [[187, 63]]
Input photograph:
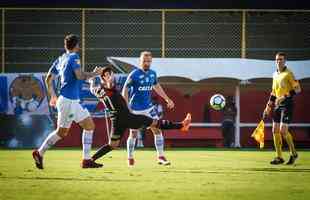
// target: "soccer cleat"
[[162, 160], [131, 162], [277, 161], [89, 163], [186, 122], [292, 159], [38, 159]]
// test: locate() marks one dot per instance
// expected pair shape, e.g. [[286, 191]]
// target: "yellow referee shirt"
[[283, 82]]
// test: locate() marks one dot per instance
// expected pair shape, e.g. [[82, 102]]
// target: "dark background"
[[194, 4]]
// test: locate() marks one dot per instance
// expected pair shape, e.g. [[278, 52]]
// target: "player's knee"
[[89, 125], [62, 132], [275, 129], [154, 124], [283, 131], [133, 133], [156, 131]]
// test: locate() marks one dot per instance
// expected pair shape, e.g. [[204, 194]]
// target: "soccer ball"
[[217, 102]]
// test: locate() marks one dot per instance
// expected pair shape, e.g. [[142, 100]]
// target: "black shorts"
[[284, 112], [122, 121]]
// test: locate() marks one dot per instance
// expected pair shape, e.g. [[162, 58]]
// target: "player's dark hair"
[[281, 54], [106, 69], [71, 41]]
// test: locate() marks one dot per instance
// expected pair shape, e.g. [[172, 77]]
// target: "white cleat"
[[162, 160]]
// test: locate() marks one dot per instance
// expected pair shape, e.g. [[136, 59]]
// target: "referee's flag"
[[259, 133]]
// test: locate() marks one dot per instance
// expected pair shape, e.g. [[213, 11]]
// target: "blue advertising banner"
[[3, 94], [25, 115]]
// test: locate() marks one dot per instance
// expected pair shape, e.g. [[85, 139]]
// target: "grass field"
[[194, 174]]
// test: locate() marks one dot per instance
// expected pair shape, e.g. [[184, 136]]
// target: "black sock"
[[102, 151], [166, 124]]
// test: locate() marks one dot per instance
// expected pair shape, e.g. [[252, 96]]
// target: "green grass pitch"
[[194, 174]]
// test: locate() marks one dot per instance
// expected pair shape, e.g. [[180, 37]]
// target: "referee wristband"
[[292, 93], [272, 98]]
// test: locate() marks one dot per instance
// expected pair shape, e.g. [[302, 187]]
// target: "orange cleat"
[[186, 122]]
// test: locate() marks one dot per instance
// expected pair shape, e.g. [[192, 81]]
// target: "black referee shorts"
[[284, 112]]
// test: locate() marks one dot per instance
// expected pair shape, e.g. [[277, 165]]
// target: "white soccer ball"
[[217, 102]]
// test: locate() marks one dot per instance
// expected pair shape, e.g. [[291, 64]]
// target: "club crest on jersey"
[[78, 61], [147, 79], [145, 88]]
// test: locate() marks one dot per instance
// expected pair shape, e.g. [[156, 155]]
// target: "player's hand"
[[170, 103], [53, 100], [279, 100], [266, 112], [98, 70]]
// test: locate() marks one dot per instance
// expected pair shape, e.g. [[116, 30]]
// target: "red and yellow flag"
[[259, 133]]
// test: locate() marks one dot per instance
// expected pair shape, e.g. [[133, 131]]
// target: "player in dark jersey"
[[121, 117]]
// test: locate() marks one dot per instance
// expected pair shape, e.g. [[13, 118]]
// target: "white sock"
[[51, 139], [131, 142], [159, 144], [87, 140]]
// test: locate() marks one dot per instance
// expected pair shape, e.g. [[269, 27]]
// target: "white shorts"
[[150, 112], [68, 111]]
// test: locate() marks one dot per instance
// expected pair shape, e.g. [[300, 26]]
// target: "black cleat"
[[38, 159], [277, 161], [90, 164], [292, 159]]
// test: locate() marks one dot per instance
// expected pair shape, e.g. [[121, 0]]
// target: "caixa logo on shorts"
[[145, 88]]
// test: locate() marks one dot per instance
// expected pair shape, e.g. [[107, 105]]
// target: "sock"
[[51, 139], [166, 124], [131, 142], [290, 143], [159, 144], [87, 140], [277, 139], [102, 151]]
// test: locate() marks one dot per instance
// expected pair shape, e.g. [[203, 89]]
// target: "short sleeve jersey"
[[64, 66], [141, 84], [283, 82]]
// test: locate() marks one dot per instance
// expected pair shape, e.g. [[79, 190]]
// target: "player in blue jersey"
[[142, 81], [68, 67]]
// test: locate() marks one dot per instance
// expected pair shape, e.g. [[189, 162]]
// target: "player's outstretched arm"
[[160, 91], [81, 75]]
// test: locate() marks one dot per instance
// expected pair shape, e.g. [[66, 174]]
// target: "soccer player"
[[284, 88], [120, 115], [68, 67], [142, 81]]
